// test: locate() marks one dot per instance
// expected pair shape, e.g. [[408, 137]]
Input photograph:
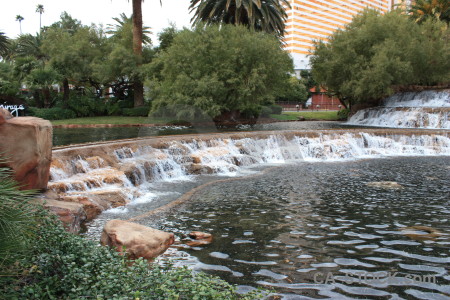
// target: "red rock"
[[198, 235], [137, 240], [26, 144], [71, 214]]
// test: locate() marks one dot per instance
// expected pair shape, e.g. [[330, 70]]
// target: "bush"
[[276, 109], [265, 111], [85, 106], [54, 113], [136, 111], [62, 265], [343, 114]]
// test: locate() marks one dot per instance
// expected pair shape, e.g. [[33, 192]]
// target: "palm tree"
[[137, 49], [421, 10], [123, 30], [40, 10], [4, 45], [261, 15], [20, 19]]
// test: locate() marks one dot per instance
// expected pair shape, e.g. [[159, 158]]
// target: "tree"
[[4, 45], [223, 72], [422, 10], [137, 49], [20, 19], [40, 10], [376, 54], [261, 15]]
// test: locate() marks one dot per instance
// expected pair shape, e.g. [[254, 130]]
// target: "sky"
[[155, 16]]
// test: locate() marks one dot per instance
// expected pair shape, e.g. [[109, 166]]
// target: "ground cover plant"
[[41, 260]]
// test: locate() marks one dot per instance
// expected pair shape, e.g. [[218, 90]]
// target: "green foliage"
[[62, 265], [268, 16], [136, 111], [4, 45], [166, 37], [343, 114], [8, 84], [276, 109], [54, 113], [86, 106], [295, 91], [375, 53], [215, 69], [265, 111], [16, 220], [422, 10]]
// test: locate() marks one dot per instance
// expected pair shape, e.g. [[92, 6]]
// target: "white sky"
[[155, 16]]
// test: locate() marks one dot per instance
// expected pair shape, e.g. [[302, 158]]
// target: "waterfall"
[[128, 169], [427, 109]]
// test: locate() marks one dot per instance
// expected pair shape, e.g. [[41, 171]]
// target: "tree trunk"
[[66, 91], [46, 93], [37, 98], [137, 50]]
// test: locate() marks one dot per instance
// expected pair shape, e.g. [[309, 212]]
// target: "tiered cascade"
[[427, 109], [121, 174]]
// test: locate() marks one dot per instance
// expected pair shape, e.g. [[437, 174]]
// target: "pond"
[[68, 136], [319, 229]]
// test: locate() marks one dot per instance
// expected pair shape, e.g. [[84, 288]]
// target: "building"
[[321, 101], [310, 20]]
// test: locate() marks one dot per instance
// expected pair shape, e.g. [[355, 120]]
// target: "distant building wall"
[[310, 20]]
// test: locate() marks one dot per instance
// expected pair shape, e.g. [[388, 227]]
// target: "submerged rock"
[[385, 184], [135, 239], [421, 232], [199, 239]]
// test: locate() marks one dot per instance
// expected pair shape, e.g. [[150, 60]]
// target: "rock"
[[199, 239], [92, 205], [421, 233], [71, 214], [26, 144], [385, 184], [301, 118], [5, 115], [198, 235], [197, 169], [138, 240], [115, 197]]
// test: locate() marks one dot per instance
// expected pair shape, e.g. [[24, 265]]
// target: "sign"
[[12, 108]]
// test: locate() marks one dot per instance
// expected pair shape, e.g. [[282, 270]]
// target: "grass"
[[119, 120], [308, 115]]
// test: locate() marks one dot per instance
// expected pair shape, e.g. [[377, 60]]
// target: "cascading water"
[[128, 170], [291, 227], [427, 109]]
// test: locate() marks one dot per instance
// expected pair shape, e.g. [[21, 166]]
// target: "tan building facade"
[[310, 20]]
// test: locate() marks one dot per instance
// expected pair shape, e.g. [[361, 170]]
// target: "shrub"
[[85, 106], [66, 266], [54, 113], [343, 114], [136, 111], [16, 221], [265, 111], [276, 109]]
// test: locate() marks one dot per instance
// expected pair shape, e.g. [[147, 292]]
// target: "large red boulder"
[[26, 145], [137, 240]]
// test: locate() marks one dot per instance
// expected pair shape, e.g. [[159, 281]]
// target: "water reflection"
[[68, 136], [318, 230]]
